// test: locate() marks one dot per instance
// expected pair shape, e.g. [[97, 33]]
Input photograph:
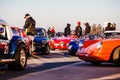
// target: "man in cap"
[[78, 30], [29, 27]]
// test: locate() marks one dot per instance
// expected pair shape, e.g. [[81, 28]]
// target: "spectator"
[[108, 27], [87, 28], [52, 32], [113, 26], [49, 32], [78, 30], [29, 27], [93, 29], [67, 30]]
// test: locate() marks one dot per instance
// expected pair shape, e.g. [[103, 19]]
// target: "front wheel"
[[47, 51], [20, 59], [116, 56], [72, 52]]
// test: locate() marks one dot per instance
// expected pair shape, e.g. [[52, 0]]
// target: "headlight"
[[99, 45], [80, 44]]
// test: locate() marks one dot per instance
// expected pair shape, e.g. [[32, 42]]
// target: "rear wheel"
[[116, 56], [20, 59]]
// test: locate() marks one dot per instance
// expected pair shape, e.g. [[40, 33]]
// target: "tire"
[[72, 52], [116, 56], [47, 51], [20, 59], [95, 62]]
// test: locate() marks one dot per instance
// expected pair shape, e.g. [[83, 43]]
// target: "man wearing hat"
[[78, 30], [29, 27]]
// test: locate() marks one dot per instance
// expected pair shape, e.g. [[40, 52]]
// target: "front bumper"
[[59, 46], [87, 56], [39, 46]]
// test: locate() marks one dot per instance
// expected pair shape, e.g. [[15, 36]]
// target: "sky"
[[58, 13]]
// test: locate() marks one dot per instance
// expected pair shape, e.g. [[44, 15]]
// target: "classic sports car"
[[40, 42], [12, 48], [75, 44], [107, 50], [60, 42], [27, 40]]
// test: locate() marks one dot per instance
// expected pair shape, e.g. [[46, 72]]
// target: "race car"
[[40, 42], [75, 44], [26, 38], [107, 50], [12, 48], [60, 42]]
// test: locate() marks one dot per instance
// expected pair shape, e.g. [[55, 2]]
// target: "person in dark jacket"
[[108, 27], [67, 30], [78, 30], [29, 27], [49, 32], [87, 28]]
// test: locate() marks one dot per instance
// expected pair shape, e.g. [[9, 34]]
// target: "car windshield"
[[112, 35], [15, 32], [40, 33]]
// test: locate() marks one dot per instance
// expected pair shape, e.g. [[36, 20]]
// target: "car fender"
[[14, 43]]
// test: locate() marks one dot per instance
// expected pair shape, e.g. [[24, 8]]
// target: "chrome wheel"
[[22, 57]]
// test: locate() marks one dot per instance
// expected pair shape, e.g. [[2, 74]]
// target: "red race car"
[[60, 42], [107, 50], [27, 40]]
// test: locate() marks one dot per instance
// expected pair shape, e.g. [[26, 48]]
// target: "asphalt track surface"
[[60, 66]]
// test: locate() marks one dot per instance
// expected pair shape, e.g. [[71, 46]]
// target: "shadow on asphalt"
[[88, 64], [52, 55], [6, 74]]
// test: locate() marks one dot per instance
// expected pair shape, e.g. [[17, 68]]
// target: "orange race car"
[[107, 50]]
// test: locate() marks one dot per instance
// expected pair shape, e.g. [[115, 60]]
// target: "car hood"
[[37, 39], [62, 39]]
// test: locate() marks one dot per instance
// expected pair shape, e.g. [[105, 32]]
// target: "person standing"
[[53, 32], [67, 30], [29, 27], [108, 27], [49, 32], [78, 30], [87, 28]]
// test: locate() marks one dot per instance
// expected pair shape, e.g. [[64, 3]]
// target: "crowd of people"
[[89, 29], [29, 28]]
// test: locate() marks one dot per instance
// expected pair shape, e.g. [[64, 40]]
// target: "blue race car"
[[75, 44], [12, 48], [40, 42]]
